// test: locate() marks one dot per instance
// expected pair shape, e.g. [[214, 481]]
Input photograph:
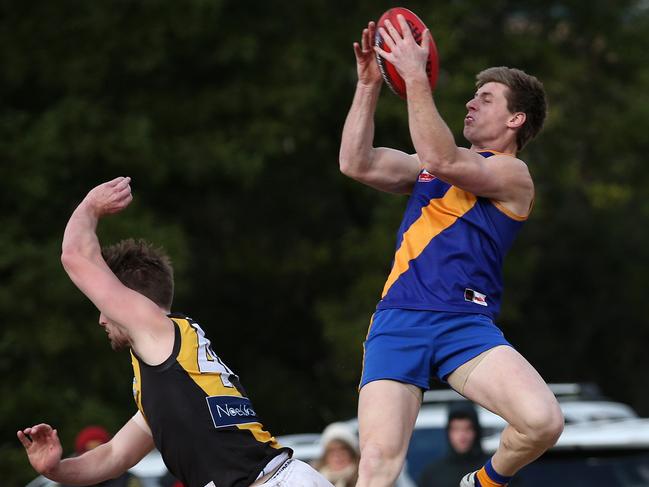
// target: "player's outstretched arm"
[[384, 169], [503, 177], [107, 461], [148, 327]]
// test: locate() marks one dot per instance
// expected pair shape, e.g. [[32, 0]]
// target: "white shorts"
[[296, 473]]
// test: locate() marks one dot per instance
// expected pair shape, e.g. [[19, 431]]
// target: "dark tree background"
[[227, 115]]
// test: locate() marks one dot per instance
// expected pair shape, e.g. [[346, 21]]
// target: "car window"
[[426, 446]]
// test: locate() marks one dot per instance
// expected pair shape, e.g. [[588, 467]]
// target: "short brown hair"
[[144, 268], [526, 94]]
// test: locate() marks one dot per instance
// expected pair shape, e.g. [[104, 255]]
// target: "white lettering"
[[229, 411], [208, 361]]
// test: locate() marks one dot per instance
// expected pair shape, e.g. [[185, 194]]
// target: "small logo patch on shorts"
[[475, 297], [231, 411]]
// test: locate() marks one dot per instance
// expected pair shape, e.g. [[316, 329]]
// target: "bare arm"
[[107, 461], [503, 178], [384, 169], [150, 331]]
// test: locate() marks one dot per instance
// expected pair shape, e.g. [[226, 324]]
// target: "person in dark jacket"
[[465, 452]]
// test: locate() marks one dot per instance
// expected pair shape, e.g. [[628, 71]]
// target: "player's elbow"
[[355, 164], [437, 163], [347, 160], [434, 165], [72, 261], [348, 167], [68, 259], [113, 461]]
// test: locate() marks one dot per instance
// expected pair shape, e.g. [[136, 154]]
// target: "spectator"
[[464, 453], [89, 438], [339, 461]]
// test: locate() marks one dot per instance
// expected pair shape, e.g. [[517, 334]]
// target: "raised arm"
[[503, 177], [382, 168], [104, 462], [150, 331]]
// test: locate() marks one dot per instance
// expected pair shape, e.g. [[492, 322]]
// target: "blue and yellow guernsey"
[[450, 250], [202, 422]]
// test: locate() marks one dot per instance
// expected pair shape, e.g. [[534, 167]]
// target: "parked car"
[[606, 453], [579, 404]]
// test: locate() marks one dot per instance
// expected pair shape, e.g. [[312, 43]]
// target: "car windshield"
[[613, 468], [426, 445]]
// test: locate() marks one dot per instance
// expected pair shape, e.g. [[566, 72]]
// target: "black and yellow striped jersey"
[[202, 422]]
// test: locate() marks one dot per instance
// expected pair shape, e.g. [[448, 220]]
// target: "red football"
[[417, 27]]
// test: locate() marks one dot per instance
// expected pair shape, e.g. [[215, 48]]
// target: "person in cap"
[[339, 460]]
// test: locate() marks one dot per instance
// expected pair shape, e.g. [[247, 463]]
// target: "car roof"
[[564, 391], [436, 416], [585, 411], [596, 435], [579, 403]]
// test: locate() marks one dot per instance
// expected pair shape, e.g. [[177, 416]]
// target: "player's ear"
[[517, 120]]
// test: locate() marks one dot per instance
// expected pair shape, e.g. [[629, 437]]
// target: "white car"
[[605, 453], [429, 441]]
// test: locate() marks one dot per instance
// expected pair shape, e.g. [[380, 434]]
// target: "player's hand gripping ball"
[[417, 27]]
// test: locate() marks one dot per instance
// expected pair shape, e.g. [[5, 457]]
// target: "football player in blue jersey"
[[437, 311]]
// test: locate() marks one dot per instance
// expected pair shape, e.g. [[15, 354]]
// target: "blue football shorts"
[[411, 346]]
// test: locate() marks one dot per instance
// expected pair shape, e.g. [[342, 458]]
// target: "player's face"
[[488, 117], [117, 336]]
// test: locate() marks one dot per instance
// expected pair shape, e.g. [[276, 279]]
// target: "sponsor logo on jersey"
[[475, 297], [231, 411], [425, 177]]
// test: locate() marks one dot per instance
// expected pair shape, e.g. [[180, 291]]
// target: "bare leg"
[[387, 411], [506, 384]]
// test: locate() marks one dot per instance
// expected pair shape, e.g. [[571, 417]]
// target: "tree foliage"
[[228, 115]]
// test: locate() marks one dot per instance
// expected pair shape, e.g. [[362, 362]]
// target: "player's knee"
[[378, 461], [545, 426], [554, 427]]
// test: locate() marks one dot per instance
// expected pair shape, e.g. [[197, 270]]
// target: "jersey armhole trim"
[[510, 213]]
